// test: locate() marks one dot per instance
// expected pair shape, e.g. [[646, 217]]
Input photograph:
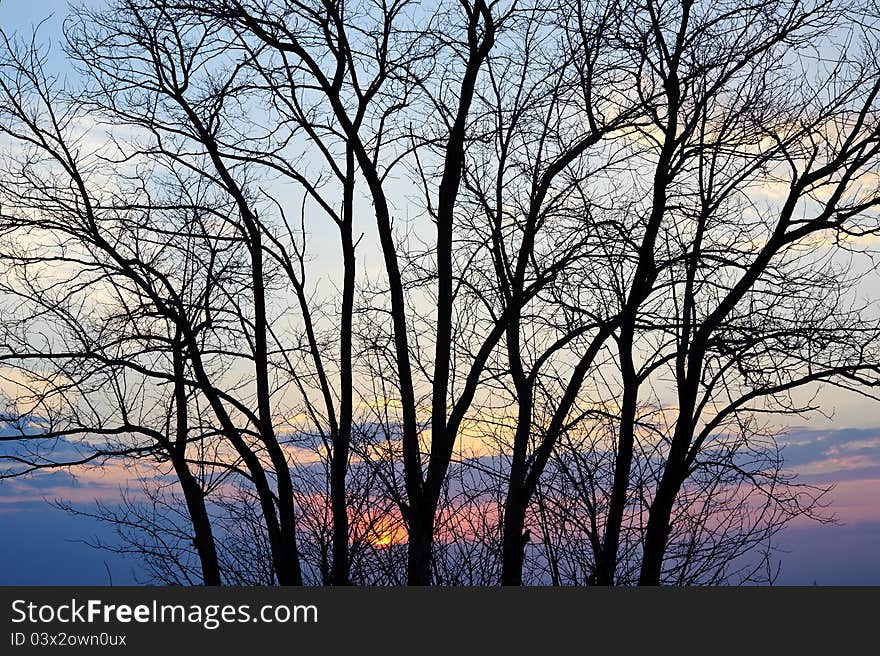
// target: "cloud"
[[100, 481], [830, 452]]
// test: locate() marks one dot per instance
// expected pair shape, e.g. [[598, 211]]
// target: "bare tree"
[[472, 293]]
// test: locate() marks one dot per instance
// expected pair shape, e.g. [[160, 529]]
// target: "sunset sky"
[[48, 546], [42, 545]]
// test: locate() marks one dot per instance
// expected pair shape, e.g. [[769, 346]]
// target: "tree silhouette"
[[463, 293]]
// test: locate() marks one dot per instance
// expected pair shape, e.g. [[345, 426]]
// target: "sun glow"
[[385, 532]]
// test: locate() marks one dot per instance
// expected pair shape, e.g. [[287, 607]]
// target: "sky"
[[39, 542], [42, 545]]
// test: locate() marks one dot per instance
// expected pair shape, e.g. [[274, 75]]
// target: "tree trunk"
[[606, 564], [513, 542], [419, 549], [342, 443], [657, 533], [203, 536], [674, 475]]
